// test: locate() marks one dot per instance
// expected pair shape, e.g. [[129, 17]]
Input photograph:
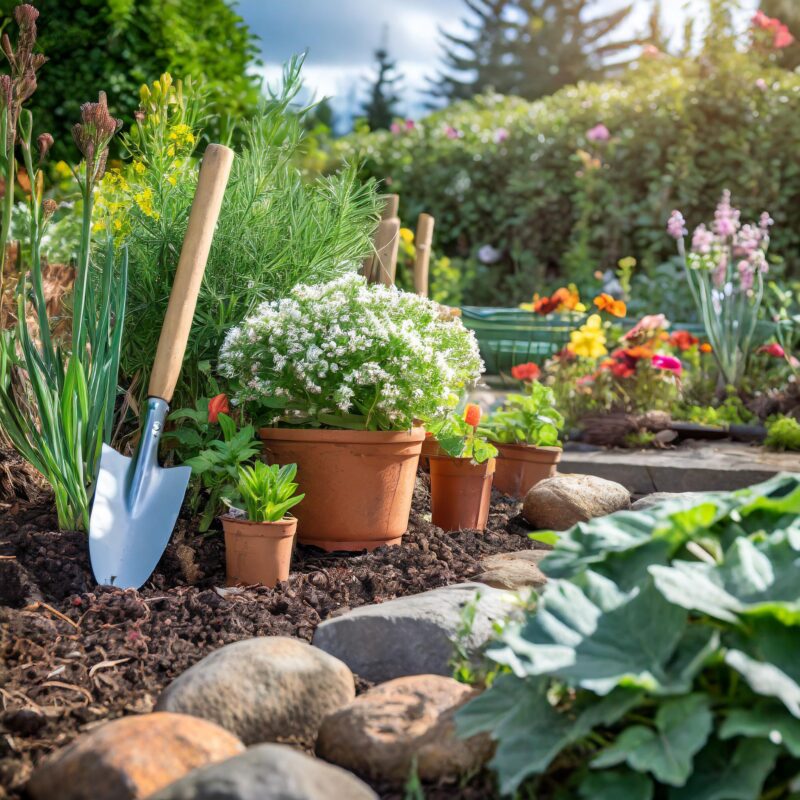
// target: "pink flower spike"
[[598, 134], [669, 363], [676, 225], [773, 349]]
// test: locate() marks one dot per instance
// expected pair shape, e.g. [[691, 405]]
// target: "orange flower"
[[706, 348], [216, 406], [605, 302], [683, 340], [525, 372], [472, 414], [639, 352]]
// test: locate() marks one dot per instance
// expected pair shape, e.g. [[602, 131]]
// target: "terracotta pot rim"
[[342, 436], [467, 465], [277, 529], [529, 448]]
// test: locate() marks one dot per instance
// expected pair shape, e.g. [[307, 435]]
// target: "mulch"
[[74, 655]]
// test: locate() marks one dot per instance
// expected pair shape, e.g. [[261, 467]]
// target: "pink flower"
[[773, 349], [676, 225], [648, 323], [762, 84], [598, 134], [783, 38], [726, 218], [395, 128], [761, 20], [651, 51], [500, 135], [668, 363], [452, 133], [410, 124], [745, 269], [702, 239]]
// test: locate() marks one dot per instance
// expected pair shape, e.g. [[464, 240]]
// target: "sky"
[[341, 36]]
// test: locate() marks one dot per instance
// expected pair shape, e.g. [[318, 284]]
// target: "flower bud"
[[49, 207], [45, 142]]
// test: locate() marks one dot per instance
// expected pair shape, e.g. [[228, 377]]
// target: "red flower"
[[472, 414], [216, 406], [526, 372], [683, 340], [773, 349]]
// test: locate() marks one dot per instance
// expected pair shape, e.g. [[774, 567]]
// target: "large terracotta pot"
[[521, 466], [461, 492], [258, 552], [358, 484]]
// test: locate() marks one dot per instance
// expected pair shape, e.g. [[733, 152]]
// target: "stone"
[[131, 758], [560, 502], [657, 498], [413, 635], [271, 688], [268, 772], [513, 571], [383, 730]]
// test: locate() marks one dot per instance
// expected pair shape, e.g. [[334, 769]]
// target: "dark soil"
[[73, 655]]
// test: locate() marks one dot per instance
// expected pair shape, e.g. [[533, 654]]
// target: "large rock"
[[513, 571], [412, 635], [560, 502], [268, 689], [382, 732], [268, 772], [131, 758]]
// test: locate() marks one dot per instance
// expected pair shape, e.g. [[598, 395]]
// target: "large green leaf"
[[765, 720], [682, 726], [766, 679], [615, 785], [724, 773]]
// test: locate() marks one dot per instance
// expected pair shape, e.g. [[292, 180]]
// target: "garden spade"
[[136, 502]]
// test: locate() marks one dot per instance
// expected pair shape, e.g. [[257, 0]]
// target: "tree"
[[117, 45], [531, 48], [381, 105]]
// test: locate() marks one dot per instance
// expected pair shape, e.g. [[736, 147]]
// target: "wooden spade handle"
[[211, 184]]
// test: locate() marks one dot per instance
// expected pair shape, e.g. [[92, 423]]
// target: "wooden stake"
[[422, 242]]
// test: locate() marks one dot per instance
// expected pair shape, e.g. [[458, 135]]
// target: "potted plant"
[[341, 371], [461, 478], [259, 537], [526, 430]]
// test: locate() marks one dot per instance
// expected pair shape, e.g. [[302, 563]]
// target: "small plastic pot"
[[258, 552], [461, 492], [522, 466]]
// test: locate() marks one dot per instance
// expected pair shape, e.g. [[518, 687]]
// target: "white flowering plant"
[[348, 355]]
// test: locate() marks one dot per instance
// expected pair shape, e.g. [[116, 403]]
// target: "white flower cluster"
[[345, 351]]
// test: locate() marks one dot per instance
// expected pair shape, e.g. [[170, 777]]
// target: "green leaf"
[[682, 726], [616, 785], [724, 773], [765, 720], [766, 679]]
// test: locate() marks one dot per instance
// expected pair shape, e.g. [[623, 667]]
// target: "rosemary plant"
[[57, 397]]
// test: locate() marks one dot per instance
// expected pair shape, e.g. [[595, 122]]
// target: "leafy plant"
[[196, 427], [530, 418], [660, 658], [57, 397], [460, 435], [267, 491], [732, 411], [216, 469], [347, 355], [276, 229], [783, 433]]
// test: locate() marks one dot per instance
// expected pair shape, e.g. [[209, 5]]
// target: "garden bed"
[[75, 655]]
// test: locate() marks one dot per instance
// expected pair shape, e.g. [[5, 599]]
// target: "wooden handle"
[[387, 244], [214, 172], [422, 241], [391, 205]]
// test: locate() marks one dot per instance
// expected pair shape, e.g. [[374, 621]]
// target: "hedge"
[[555, 206]]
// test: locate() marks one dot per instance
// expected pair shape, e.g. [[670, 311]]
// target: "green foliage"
[[524, 178], [216, 469], [57, 397], [120, 44], [530, 48], [783, 433], [459, 439], [267, 491], [660, 658], [527, 419], [275, 230], [732, 411]]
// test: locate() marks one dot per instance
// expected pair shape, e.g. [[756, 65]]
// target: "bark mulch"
[[73, 655]]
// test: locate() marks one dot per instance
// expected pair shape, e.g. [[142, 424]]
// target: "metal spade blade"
[[136, 505]]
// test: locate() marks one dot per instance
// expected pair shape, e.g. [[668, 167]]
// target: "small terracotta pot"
[[357, 484], [430, 447], [461, 493], [521, 466], [258, 552]]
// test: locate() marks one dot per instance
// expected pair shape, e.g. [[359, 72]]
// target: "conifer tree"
[[381, 105], [532, 48]]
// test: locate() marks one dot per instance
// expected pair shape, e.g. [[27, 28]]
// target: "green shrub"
[[523, 177], [660, 660], [783, 433]]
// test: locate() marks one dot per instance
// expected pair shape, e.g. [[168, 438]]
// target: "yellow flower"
[[407, 235], [589, 340], [139, 167], [171, 180], [62, 170]]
